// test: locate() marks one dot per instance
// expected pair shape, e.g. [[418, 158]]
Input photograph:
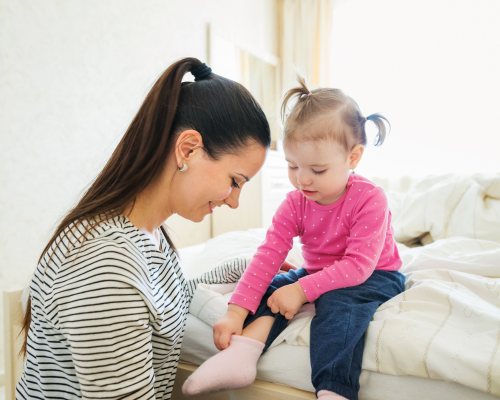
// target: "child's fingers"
[[289, 315], [224, 338], [216, 339], [272, 304], [270, 301], [287, 267]]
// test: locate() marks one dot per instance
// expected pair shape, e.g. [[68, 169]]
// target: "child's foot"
[[232, 368], [327, 395]]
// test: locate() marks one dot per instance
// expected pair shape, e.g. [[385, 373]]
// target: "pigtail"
[[380, 122], [297, 94]]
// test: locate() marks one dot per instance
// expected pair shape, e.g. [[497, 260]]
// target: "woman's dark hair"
[[225, 114], [326, 113]]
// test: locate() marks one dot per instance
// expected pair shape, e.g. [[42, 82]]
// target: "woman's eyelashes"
[[234, 184]]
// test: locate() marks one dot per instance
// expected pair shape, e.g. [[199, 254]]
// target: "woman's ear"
[[355, 156], [187, 145]]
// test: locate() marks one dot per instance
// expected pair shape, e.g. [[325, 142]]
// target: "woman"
[[108, 300]]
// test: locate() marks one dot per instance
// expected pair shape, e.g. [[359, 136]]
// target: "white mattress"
[[290, 366]]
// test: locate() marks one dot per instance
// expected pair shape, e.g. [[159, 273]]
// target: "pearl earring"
[[183, 169]]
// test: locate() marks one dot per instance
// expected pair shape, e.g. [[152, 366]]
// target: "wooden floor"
[[259, 390]]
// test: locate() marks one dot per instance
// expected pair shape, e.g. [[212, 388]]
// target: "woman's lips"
[[308, 192]]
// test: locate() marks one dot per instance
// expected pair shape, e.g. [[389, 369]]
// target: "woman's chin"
[[196, 217]]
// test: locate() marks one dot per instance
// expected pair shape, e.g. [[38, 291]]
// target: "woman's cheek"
[[223, 192]]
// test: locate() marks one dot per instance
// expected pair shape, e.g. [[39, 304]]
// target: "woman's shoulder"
[[90, 240], [97, 250]]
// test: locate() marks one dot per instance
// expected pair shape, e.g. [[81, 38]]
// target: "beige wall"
[[72, 75]]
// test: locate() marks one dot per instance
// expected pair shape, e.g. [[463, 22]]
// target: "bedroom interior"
[[75, 73]]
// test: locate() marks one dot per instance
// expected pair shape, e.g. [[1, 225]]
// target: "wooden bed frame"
[[258, 390]]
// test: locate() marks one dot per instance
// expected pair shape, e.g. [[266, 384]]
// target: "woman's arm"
[[103, 308]]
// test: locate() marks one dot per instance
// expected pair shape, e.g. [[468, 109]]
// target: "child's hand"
[[287, 300], [230, 324]]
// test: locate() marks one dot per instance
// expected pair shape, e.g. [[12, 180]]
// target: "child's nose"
[[303, 179]]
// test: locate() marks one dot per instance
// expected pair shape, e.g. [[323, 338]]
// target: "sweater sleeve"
[[368, 229], [269, 257], [225, 273]]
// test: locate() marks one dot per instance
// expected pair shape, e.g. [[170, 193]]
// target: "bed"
[[440, 339]]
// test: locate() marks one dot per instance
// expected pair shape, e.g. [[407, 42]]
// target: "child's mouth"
[[309, 193]]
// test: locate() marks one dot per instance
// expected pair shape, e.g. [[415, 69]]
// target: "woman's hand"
[[287, 300], [230, 324]]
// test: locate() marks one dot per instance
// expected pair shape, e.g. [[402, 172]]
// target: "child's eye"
[[292, 167], [318, 172], [234, 184]]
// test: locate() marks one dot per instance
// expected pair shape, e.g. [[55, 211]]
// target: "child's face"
[[320, 169]]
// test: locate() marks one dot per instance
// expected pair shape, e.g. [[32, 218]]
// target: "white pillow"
[[228, 247]]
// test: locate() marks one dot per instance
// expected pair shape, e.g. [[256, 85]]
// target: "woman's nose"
[[233, 199]]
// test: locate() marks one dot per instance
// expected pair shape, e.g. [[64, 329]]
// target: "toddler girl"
[[351, 260]]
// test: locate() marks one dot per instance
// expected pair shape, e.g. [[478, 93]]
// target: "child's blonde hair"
[[327, 114]]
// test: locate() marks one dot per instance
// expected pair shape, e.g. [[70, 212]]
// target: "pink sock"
[[327, 395], [232, 368]]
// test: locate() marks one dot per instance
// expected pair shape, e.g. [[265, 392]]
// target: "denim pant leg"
[[338, 330], [280, 322]]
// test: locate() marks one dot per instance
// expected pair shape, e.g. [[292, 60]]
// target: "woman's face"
[[208, 184]]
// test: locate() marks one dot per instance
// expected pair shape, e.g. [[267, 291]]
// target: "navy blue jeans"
[[338, 328]]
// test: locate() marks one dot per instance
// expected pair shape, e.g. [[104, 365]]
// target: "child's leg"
[[259, 329], [236, 366], [259, 326], [337, 332]]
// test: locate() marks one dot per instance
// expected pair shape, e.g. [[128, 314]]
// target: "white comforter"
[[446, 325]]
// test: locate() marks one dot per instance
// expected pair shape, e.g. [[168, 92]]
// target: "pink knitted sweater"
[[343, 243]]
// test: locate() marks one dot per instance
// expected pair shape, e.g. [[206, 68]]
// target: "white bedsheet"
[[289, 365], [448, 206], [446, 325]]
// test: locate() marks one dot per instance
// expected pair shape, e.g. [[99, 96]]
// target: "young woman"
[[108, 300]]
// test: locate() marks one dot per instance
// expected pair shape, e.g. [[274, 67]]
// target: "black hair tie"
[[201, 72]]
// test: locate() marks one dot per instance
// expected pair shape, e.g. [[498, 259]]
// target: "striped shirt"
[[108, 317]]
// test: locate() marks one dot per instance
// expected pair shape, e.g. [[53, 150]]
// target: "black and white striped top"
[[108, 317]]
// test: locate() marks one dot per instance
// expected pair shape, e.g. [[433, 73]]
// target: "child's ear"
[[355, 156]]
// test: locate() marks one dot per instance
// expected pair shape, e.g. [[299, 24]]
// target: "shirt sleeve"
[[269, 257], [104, 311], [229, 272], [368, 229]]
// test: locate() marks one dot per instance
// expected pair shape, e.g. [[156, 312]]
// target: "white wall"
[[72, 75], [433, 68]]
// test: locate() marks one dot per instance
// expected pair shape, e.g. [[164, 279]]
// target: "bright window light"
[[433, 69]]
